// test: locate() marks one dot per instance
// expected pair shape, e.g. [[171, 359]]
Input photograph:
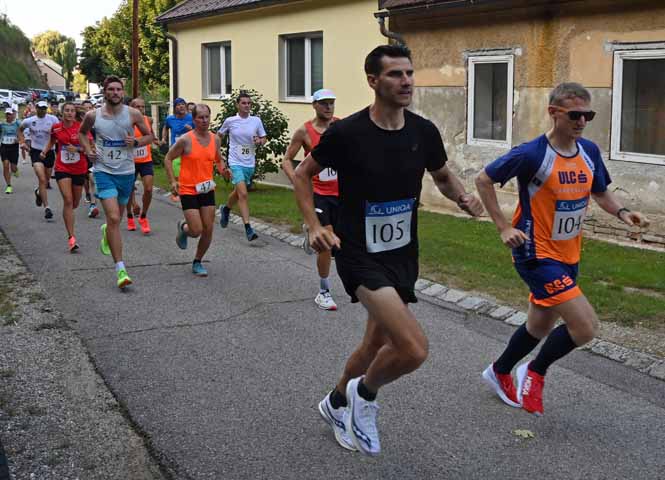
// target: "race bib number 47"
[[388, 224], [205, 187], [569, 218]]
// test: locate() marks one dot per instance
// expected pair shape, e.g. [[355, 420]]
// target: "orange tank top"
[[325, 183], [196, 168], [142, 154]]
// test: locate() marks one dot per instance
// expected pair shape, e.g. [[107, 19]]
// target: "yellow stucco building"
[[284, 49]]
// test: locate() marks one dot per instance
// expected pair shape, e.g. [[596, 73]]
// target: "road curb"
[[642, 362]]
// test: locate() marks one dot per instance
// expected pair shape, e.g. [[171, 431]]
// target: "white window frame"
[[284, 66], [206, 65], [472, 62], [617, 102]]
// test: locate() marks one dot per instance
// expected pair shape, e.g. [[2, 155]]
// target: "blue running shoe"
[[181, 236], [224, 215], [251, 234], [199, 270]]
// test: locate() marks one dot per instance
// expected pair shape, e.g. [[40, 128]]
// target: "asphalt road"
[[223, 374]]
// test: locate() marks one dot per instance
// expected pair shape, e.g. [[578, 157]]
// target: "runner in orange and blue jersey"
[[557, 174]]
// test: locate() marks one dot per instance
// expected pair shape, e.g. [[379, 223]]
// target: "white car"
[[11, 98]]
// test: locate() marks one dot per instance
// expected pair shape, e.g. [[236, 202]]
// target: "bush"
[[268, 157]]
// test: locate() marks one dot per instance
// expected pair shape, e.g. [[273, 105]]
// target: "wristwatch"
[[136, 143]]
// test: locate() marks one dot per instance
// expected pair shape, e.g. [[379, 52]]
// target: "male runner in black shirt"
[[380, 155]]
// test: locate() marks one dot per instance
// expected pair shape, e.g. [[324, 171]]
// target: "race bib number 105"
[[388, 224]]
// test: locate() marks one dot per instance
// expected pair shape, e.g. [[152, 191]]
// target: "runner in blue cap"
[[179, 123]]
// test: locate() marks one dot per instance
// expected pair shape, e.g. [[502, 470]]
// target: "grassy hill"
[[18, 69]]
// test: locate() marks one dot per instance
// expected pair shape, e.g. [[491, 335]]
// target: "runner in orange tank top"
[[199, 150], [144, 167], [325, 185], [557, 174]]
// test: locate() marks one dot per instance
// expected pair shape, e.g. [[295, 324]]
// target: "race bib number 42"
[[569, 218], [388, 224], [114, 150]]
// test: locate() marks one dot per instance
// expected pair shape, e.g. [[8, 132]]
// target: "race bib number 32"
[[388, 224], [69, 157], [569, 218]]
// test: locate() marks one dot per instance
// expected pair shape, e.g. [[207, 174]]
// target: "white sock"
[[119, 266]]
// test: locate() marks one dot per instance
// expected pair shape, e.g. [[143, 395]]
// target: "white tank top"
[[113, 154]]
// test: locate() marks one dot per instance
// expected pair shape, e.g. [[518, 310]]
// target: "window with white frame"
[[490, 100], [301, 65], [217, 70], [638, 106]]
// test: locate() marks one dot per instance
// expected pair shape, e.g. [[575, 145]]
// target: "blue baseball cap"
[[323, 94], [178, 101]]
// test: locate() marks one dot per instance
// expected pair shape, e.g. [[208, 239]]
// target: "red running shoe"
[[530, 389], [503, 386], [145, 225], [131, 224], [73, 246]]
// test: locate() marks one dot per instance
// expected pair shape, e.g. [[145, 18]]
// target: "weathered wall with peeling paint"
[[549, 49]]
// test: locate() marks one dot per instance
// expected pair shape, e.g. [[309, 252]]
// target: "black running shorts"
[[194, 202], [9, 153], [327, 208], [48, 161], [78, 180], [400, 273], [143, 169]]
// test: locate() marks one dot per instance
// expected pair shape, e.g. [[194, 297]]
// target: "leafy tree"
[[60, 48], [107, 46], [80, 83], [268, 157]]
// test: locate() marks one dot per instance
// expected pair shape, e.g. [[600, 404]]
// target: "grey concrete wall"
[[640, 186]]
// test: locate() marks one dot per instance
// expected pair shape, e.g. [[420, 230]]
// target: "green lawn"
[[468, 254]]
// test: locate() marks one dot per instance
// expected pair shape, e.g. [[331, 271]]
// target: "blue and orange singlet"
[[554, 194]]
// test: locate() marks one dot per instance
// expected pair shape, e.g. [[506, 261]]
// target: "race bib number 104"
[[569, 218], [388, 224]]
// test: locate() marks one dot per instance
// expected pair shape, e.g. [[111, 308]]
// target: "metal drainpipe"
[[381, 17], [174, 60]]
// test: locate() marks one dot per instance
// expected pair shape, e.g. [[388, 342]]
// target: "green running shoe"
[[123, 279], [9, 189], [104, 244]]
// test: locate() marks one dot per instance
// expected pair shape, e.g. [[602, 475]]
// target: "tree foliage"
[[60, 48], [80, 83], [268, 157], [107, 46]]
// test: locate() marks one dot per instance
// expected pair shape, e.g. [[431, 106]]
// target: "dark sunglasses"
[[575, 115]]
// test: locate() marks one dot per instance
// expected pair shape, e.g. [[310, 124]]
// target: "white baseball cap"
[[323, 94], [9, 110], [42, 104]]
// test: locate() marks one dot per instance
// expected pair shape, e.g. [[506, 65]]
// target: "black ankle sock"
[[247, 227], [519, 346], [337, 399], [365, 393], [129, 215], [143, 215], [559, 343], [196, 260], [226, 209]]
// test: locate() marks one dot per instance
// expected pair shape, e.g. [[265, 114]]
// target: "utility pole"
[[135, 49]]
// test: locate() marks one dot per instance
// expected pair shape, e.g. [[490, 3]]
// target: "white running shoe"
[[325, 301], [305, 242], [361, 421], [336, 418]]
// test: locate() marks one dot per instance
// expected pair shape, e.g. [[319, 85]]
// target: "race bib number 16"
[[388, 224]]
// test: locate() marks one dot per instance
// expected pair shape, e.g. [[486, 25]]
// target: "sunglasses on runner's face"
[[575, 115]]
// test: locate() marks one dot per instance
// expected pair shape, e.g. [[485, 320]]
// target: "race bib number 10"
[[569, 218], [388, 225], [140, 152]]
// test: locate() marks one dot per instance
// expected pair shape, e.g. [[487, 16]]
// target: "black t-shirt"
[[380, 176]]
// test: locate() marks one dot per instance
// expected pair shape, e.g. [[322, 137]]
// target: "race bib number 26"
[[388, 224]]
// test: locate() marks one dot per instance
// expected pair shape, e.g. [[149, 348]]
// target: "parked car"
[[97, 98], [5, 102], [43, 94], [11, 97], [25, 96]]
